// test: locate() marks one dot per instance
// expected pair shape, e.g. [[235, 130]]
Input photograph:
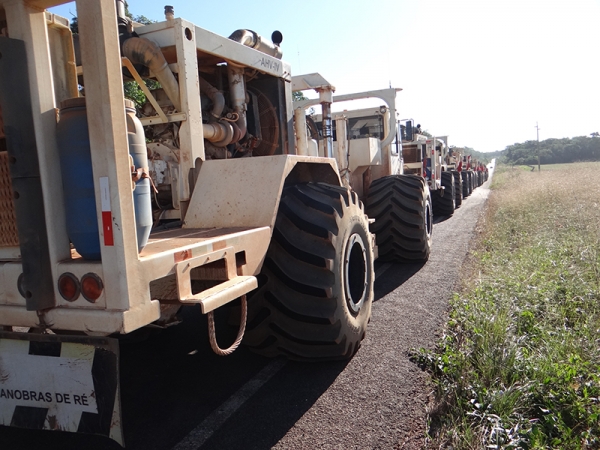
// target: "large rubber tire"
[[316, 285], [403, 213], [465, 184], [458, 189], [446, 204], [473, 183]]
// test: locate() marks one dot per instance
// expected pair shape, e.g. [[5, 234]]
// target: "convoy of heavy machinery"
[[218, 188], [369, 153]]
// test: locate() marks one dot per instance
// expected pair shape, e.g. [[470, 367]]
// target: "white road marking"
[[199, 435]]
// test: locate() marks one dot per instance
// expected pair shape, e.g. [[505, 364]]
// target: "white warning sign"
[[62, 383]]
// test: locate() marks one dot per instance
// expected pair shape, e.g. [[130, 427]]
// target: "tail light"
[[68, 286], [91, 287]]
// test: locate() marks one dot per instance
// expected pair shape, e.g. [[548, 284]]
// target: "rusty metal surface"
[[2, 136], [269, 126], [9, 235], [411, 153]]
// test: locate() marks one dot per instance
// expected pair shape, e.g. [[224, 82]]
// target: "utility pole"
[[538, 146]]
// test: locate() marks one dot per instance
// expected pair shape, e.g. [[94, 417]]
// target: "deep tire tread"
[[445, 206], [458, 188], [465, 184], [397, 203], [296, 309]]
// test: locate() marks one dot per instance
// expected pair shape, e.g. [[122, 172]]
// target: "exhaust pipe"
[[237, 91], [216, 97], [142, 51], [220, 134], [253, 40], [121, 16]]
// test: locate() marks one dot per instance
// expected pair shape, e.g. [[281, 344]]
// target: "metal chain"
[[212, 335]]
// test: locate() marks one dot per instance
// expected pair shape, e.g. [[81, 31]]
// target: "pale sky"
[[481, 71]]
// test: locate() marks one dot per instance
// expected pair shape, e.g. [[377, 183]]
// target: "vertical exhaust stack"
[[237, 85], [237, 91], [124, 23], [121, 11], [169, 13]]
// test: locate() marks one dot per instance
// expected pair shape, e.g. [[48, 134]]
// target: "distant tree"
[[139, 19], [299, 95], [142, 19], [595, 134], [480, 156], [74, 25], [554, 151]]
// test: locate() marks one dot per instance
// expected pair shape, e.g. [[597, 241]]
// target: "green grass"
[[519, 363]]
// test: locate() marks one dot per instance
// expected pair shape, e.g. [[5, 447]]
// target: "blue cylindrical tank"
[[78, 180], [142, 201]]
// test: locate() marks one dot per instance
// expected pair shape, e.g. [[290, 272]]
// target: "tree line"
[[479, 156], [554, 151]]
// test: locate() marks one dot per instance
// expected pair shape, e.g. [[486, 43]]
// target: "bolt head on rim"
[[355, 273]]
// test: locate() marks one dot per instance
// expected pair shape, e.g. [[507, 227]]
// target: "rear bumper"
[[88, 321]]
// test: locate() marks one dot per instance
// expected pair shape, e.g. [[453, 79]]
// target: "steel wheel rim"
[[428, 219], [355, 273]]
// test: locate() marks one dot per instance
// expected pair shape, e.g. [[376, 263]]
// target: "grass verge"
[[519, 364]]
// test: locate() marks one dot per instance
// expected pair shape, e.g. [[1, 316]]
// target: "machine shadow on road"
[[182, 388], [185, 382], [440, 219], [269, 415], [395, 276]]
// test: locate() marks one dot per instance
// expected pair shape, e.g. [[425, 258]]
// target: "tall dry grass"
[[519, 364]]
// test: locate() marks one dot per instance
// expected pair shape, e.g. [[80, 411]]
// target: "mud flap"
[[66, 383]]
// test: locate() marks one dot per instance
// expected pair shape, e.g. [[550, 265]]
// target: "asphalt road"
[[177, 394]]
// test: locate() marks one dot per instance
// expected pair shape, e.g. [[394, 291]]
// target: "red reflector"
[[91, 287], [68, 286]]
